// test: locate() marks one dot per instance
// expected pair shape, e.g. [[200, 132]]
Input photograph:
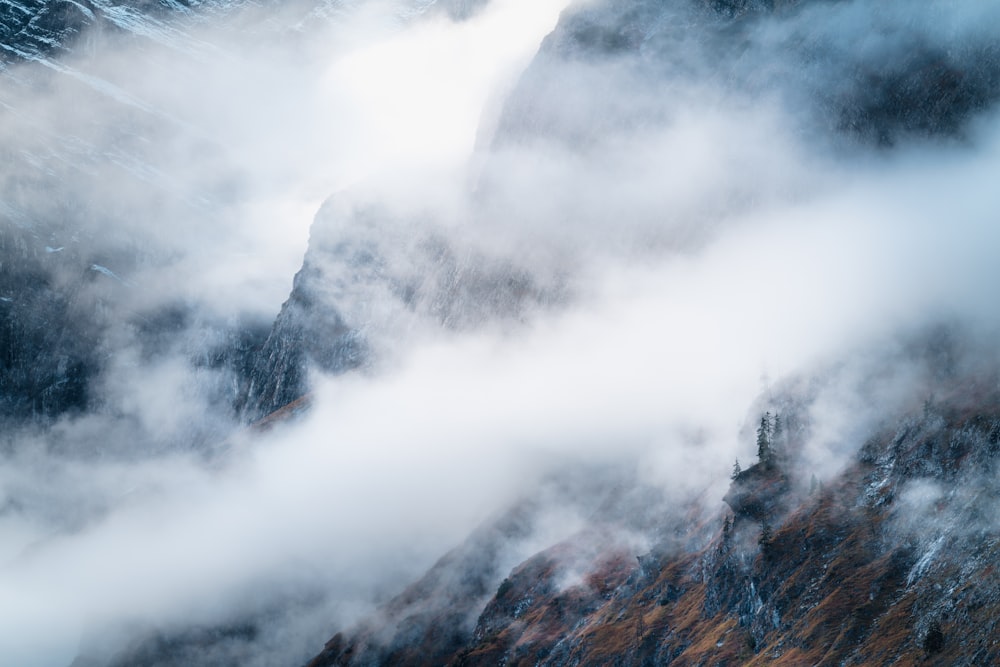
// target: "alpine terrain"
[[499, 332]]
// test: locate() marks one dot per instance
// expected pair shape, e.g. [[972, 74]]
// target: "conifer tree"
[[779, 437], [736, 470], [764, 439], [766, 535]]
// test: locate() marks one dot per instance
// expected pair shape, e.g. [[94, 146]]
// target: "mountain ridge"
[[841, 574]]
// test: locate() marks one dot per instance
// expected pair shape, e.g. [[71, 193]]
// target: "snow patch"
[[83, 9], [108, 272], [924, 563]]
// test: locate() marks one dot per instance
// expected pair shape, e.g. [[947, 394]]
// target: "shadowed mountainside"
[[890, 562]]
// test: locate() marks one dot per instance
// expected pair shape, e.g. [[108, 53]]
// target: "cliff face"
[[889, 562], [70, 247], [369, 280], [81, 197]]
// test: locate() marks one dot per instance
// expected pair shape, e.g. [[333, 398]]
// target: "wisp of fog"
[[716, 242]]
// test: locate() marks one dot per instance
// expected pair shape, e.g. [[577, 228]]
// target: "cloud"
[[707, 243]]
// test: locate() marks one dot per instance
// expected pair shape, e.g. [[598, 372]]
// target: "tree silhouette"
[[764, 439], [766, 535]]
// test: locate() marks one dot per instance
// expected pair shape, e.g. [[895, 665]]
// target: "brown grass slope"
[[892, 562]]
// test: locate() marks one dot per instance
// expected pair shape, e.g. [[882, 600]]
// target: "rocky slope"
[[889, 562], [369, 276]]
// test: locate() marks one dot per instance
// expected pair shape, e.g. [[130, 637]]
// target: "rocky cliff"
[[888, 562], [70, 253]]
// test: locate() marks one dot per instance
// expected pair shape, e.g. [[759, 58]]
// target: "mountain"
[[87, 232], [889, 561], [72, 191], [910, 89], [886, 83], [101, 208], [650, 209]]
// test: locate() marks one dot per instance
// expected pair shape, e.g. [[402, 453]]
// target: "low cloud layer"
[[706, 250]]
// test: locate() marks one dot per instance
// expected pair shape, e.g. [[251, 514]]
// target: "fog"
[[705, 241]]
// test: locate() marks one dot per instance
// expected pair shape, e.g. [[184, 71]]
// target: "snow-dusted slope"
[[673, 197]]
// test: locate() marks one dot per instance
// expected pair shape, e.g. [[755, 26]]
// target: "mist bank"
[[163, 172], [615, 260]]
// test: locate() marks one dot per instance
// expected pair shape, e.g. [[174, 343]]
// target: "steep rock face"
[[68, 255], [84, 192], [33, 28], [47, 30], [890, 562], [857, 69], [757, 493], [368, 273], [70, 305], [306, 334], [47, 361]]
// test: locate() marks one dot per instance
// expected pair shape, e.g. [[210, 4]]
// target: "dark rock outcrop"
[[307, 333], [369, 274], [36, 28], [71, 190], [757, 493]]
